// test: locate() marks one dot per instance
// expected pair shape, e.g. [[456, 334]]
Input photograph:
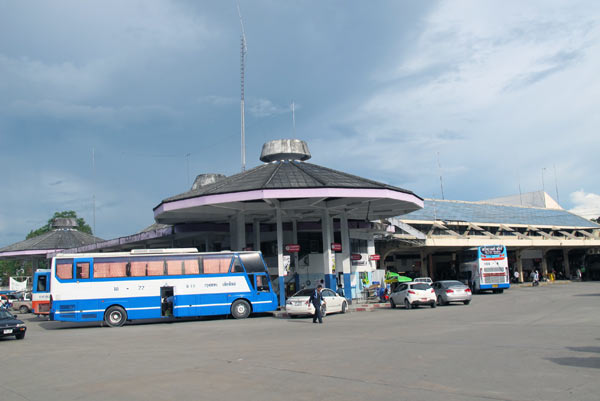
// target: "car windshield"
[[420, 286], [5, 315], [304, 293], [453, 284]]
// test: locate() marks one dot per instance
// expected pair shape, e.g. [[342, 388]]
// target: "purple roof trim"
[[286, 193], [30, 252]]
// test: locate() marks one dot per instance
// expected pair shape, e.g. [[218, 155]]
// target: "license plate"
[[8, 331], [494, 285], [423, 299]]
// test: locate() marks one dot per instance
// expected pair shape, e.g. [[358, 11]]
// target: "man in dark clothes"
[[316, 298]]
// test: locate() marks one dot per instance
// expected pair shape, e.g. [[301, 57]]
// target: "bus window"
[[82, 270], [252, 262], [41, 283], [64, 270], [237, 266], [190, 266], [217, 265], [137, 269], [174, 267], [155, 268], [110, 269], [262, 283]]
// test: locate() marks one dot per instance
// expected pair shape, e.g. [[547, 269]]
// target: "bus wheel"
[[115, 316], [240, 309]]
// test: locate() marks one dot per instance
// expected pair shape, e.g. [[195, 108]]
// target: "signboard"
[[356, 256], [336, 247], [374, 257], [292, 248]]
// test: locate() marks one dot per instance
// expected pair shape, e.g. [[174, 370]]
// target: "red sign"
[[248, 248], [374, 257], [292, 248], [356, 256], [336, 247]]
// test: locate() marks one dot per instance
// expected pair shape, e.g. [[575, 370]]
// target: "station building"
[[537, 232]]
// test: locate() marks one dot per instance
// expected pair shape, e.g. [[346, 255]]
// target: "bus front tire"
[[240, 309], [115, 316]]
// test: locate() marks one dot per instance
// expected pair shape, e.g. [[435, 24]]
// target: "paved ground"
[[526, 344]]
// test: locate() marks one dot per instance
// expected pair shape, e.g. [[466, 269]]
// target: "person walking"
[[317, 299], [536, 278], [516, 275]]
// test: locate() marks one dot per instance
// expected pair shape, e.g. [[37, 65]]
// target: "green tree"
[[81, 224]]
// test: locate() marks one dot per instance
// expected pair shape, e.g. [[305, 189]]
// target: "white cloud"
[[586, 204]]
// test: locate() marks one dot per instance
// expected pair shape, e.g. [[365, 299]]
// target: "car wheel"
[[392, 303], [344, 306], [115, 316], [20, 336], [407, 304], [240, 309], [501, 290], [24, 309], [467, 302], [432, 304], [323, 310], [440, 302]]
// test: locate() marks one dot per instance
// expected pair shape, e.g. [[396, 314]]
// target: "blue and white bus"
[[158, 283], [485, 268], [40, 292]]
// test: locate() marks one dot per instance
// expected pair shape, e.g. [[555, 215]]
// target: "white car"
[[297, 304], [427, 280], [413, 294]]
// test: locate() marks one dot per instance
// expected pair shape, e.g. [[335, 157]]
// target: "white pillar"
[[326, 228], [295, 241], [520, 266], [544, 264], [345, 234], [280, 258]]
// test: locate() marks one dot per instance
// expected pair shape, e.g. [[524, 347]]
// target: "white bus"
[[485, 268], [158, 283]]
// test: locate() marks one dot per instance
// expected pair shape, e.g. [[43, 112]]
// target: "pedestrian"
[[516, 276], [536, 278], [317, 299], [578, 273], [340, 290]]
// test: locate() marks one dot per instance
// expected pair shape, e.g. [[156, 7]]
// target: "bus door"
[[260, 288], [167, 302], [40, 296]]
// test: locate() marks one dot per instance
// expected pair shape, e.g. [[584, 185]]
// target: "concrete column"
[[232, 233], [206, 245], [566, 264], [256, 232], [240, 232], [544, 264], [520, 265], [346, 263], [295, 254], [280, 258], [326, 229], [424, 263]]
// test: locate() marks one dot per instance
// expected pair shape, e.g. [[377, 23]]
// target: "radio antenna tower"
[[243, 51]]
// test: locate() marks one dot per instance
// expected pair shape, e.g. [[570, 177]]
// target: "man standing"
[[316, 299]]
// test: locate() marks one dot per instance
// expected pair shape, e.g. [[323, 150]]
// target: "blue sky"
[[503, 93]]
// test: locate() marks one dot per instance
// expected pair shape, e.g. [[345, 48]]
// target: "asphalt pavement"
[[538, 343]]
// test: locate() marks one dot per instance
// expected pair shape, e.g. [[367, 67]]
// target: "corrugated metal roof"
[[496, 214]]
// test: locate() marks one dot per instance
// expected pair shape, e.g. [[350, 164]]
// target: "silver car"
[[451, 291]]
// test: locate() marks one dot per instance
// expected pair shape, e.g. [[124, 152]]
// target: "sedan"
[[412, 295], [298, 304], [11, 326], [451, 291]]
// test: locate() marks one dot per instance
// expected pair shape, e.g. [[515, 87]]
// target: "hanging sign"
[[356, 256], [375, 257], [336, 247], [292, 248]]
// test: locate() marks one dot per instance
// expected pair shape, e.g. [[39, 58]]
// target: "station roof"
[[49, 242], [476, 212], [299, 188]]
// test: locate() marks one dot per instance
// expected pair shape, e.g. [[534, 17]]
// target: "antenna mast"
[[243, 51], [293, 119], [440, 169]]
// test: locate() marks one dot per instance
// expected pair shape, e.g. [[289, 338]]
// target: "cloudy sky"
[[492, 95]]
